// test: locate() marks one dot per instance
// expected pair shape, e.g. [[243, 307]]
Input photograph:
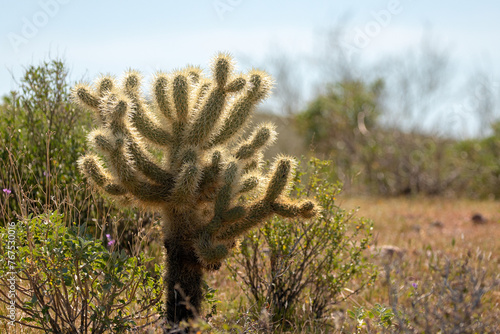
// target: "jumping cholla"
[[183, 155]]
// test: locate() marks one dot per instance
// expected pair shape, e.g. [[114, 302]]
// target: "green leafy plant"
[[182, 155], [66, 281], [306, 266], [383, 316]]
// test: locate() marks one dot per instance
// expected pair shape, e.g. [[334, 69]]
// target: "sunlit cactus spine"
[[206, 168]]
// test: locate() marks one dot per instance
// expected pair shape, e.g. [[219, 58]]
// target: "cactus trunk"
[[183, 269], [183, 283]]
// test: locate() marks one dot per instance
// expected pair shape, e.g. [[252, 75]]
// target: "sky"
[[95, 37]]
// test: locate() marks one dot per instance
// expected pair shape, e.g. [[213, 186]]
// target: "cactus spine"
[[196, 123]]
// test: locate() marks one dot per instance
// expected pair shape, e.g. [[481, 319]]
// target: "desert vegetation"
[[377, 229]]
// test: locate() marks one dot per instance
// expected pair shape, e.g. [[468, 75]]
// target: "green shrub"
[[68, 282], [300, 270], [42, 135]]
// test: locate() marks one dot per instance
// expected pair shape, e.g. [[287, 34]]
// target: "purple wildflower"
[[414, 285], [111, 241], [7, 191]]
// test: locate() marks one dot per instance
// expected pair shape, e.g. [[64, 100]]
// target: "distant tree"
[[339, 123]]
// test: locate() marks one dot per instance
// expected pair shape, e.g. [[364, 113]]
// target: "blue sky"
[[111, 36]]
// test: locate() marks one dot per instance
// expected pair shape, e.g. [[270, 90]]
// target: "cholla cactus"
[[208, 182]]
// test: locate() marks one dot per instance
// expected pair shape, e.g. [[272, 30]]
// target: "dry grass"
[[418, 226], [416, 223]]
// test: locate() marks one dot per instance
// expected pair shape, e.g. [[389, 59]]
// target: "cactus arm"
[[149, 129], [260, 84], [144, 191], [195, 74], [249, 183], [209, 251], [273, 202], [105, 85], [160, 92], [115, 189], [186, 185], [128, 176], [305, 209], [238, 116], [201, 93], [180, 92], [85, 97], [210, 177], [94, 170], [254, 164], [203, 125], [222, 67], [181, 97], [280, 180], [262, 210], [119, 107], [236, 85], [143, 162], [141, 120], [262, 136], [256, 213]]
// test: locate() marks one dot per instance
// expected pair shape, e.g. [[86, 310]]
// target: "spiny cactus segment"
[[182, 153]]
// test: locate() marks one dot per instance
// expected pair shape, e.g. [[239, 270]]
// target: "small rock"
[[437, 224], [415, 227], [389, 251], [478, 219]]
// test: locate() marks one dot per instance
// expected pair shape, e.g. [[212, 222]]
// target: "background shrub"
[[349, 124]]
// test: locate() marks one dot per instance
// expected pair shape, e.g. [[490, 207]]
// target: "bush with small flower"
[[111, 241], [69, 282]]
